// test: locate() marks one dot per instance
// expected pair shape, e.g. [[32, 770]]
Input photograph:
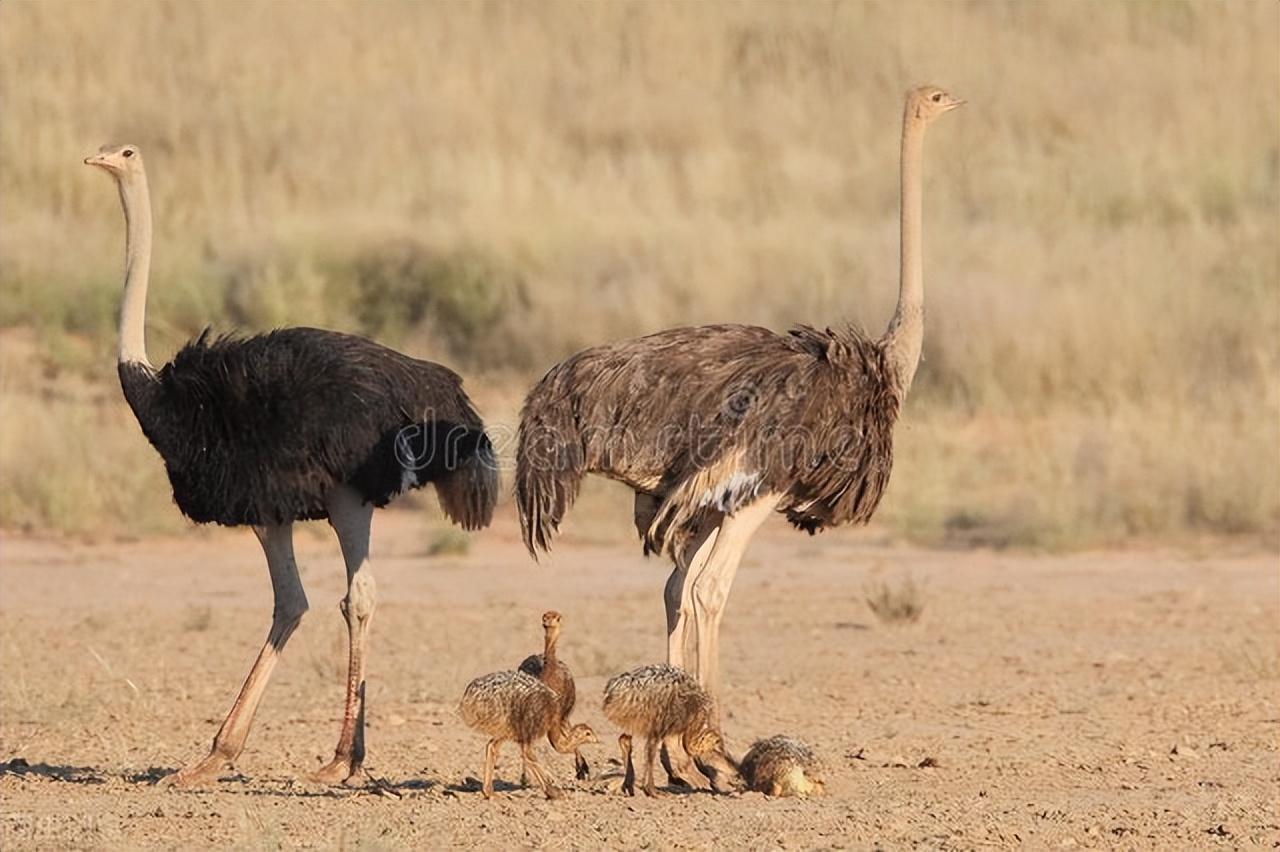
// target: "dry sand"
[[1102, 700]]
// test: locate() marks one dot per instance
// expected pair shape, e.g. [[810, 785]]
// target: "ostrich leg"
[[713, 582], [490, 763], [683, 767], [290, 604], [629, 778], [350, 518], [549, 789], [677, 596]]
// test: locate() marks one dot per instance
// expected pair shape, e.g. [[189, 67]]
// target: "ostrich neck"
[[549, 651], [137, 268], [905, 335], [562, 737]]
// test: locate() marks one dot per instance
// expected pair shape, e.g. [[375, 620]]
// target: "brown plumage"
[[552, 671], [666, 706], [514, 706], [783, 766], [716, 426], [709, 418]]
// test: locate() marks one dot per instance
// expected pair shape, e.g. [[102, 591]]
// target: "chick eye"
[[937, 97], [128, 152]]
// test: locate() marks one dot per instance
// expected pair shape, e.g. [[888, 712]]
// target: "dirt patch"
[[1096, 700]]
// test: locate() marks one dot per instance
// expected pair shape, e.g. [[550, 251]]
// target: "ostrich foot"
[[197, 774], [581, 770], [336, 772]]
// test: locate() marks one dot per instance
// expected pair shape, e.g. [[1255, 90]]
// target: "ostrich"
[[296, 424], [664, 704], [783, 766], [552, 671], [516, 706], [716, 427]]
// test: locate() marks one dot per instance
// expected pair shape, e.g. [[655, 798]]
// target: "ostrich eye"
[[128, 152], [937, 97]]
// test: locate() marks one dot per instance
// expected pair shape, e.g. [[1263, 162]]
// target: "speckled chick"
[[665, 705], [551, 670], [514, 706], [783, 766]]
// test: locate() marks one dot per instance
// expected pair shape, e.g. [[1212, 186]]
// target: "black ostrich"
[[297, 424]]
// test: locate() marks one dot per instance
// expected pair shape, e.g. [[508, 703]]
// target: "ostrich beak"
[[96, 160]]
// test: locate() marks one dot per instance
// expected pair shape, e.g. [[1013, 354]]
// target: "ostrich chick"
[[514, 706], [783, 766], [552, 671], [665, 704]]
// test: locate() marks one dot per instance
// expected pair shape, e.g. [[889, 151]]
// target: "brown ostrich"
[[551, 670], [717, 427], [665, 705], [515, 706], [783, 766]]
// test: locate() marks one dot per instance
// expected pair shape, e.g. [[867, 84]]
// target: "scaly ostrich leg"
[[350, 518], [290, 604]]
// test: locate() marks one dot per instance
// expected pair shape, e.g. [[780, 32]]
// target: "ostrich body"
[[716, 427], [783, 766], [519, 707], [296, 424], [551, 670], [666, 705]]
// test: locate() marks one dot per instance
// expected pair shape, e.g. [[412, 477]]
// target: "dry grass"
[[496, 185], [895, 604]]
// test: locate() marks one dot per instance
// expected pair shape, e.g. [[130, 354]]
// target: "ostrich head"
[[551, 622], [120, 161], [925, 103], [582, 734]]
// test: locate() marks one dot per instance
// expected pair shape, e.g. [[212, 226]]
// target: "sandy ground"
[[1104, 700]]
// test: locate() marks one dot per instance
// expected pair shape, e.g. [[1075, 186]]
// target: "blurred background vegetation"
[[497, 184]]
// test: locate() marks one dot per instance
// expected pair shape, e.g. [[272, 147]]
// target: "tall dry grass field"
[[498, 184]]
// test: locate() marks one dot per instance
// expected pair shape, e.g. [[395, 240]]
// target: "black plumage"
[[259, 430]]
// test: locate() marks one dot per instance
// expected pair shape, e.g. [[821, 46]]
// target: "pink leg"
[[350, 518], [678, 597], [712, 585], [290, 604]]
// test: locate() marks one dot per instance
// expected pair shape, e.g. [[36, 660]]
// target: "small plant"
[[449, 542], [198, 619], [892, 605]]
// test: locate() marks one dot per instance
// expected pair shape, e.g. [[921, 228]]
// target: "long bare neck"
[[905, 335], [549, 649], [137, 269]]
